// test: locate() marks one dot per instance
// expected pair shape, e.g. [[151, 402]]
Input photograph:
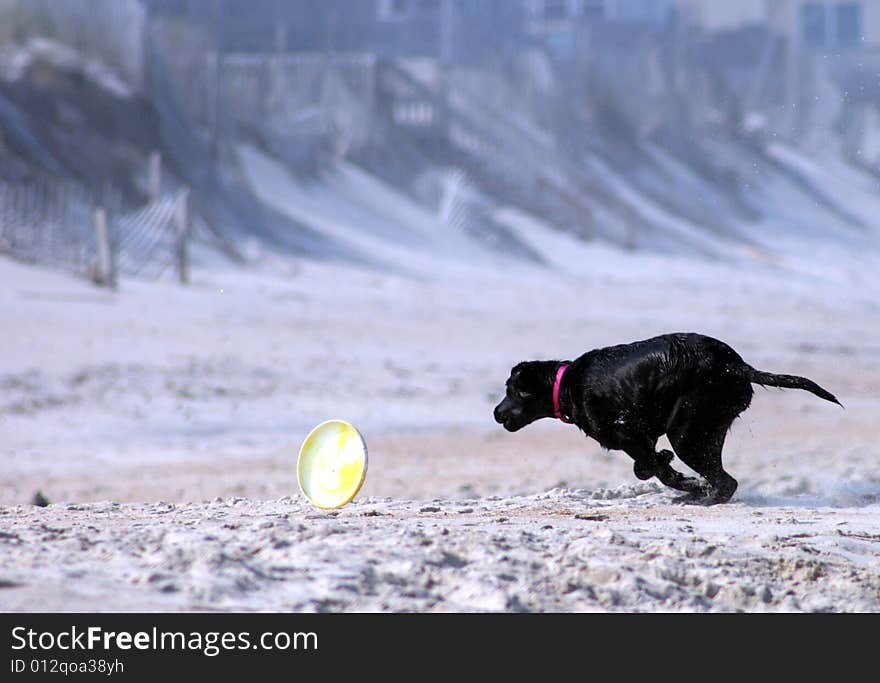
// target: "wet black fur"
[[687, 386]]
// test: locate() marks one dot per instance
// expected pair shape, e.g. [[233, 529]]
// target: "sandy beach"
[[163, 423]]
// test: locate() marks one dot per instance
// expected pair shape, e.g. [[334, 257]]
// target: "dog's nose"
[[497, 414]]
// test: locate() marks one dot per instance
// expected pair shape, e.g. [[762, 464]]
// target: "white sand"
[[620, 549], [200, 394]]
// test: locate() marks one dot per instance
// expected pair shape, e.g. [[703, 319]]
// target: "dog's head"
[[529, 395]]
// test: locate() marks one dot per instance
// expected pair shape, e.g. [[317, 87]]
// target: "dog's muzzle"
[[506, 415]]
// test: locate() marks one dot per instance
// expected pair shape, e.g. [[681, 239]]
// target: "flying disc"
[[332, 464]]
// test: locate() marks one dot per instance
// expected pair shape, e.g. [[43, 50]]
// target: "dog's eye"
[[523, 394]]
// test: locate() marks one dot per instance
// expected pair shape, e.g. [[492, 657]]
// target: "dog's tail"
[[789, 382]]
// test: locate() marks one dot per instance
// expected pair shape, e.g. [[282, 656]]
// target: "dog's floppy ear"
[[532, 376], [517, 370], [523, 374]]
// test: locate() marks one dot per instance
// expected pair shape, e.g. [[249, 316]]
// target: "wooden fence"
[[63, 225]]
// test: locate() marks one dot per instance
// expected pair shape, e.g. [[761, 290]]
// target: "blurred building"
[[566, 27], [452, 30], [815, 25], [547, 14], [712, 15], [847, 25]]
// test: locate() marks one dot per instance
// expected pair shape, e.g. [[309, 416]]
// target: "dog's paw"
[[644, 470]]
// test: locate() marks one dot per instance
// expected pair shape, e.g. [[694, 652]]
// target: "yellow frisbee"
[[332, 464]]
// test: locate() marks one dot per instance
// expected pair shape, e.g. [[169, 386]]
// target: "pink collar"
[[556, 386]]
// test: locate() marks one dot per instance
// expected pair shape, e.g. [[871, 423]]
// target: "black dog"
[[687, 386]]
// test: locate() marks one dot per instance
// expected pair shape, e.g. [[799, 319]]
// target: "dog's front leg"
[[650, 463]]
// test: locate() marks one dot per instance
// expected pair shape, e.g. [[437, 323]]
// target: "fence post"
[[212, 99], [4, 214], [154, 179], [181, 220], [276, 71], [106, 272], [631, 219]]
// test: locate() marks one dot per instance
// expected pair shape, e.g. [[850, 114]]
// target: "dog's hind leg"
[[697, 433], [699, 446]]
